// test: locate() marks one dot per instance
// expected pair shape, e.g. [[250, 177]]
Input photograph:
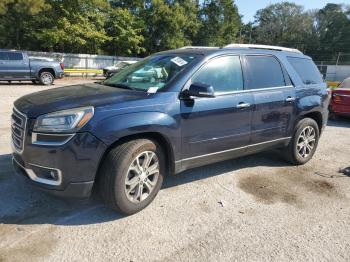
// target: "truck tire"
[[131, 175], [46, 78], [304, 142]]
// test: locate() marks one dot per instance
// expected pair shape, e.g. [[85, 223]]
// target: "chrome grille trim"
[[18, 128]]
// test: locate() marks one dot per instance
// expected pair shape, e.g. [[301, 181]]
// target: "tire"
[[297, 153], [117, 171], [46, 78]]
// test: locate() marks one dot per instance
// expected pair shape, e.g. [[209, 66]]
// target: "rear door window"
[[224, 74], [306, 69], [15, 56], [263, 72], [3, 56]]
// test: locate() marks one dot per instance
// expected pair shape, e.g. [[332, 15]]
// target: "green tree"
[[15, 21], [332, 31], [220, 23], [170, 25], [74, 26], [125, 32], [283, 24]]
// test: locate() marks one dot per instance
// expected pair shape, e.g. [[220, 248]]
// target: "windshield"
[[153, 72]]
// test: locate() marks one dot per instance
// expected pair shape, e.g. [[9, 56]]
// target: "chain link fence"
[[82, 61], [335, 69]]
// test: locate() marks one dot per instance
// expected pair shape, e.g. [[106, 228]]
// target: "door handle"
[[290, 99], [243, 105]]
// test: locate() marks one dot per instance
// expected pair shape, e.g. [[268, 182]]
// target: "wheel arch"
[[46, 69], [317, 116], [154, 136]]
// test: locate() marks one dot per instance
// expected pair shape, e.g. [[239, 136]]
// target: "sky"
[[248, 8]]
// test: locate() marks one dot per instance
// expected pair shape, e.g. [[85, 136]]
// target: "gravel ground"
[[256, 208]]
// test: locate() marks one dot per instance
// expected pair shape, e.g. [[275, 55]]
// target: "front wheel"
[[304, 142], [46, 78], [131, 175]]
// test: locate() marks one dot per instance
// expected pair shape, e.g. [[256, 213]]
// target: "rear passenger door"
[[17, 66], [273, 95]]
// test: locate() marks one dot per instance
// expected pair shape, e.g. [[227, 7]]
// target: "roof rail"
[[270, 47], [198, 47]]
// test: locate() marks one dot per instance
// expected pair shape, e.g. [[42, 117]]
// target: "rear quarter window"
[[306, 69]]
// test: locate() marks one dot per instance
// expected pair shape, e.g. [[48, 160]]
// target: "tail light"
[[62, 66], [336, 98]]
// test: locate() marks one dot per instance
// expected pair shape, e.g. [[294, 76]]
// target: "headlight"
[[64, 121]]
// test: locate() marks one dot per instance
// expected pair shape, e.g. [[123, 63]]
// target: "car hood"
[[62, 98]]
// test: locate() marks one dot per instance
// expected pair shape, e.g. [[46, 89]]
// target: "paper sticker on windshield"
[[179, 61], [152, 90]]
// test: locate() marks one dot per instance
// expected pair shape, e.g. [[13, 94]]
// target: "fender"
[[111, 129], [37, 70], [312, 102]]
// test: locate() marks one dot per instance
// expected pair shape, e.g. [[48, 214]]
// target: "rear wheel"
[[304, 142], [131, 175], [46, 78]]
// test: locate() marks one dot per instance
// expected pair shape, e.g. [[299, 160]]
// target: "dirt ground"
[[256, 208]]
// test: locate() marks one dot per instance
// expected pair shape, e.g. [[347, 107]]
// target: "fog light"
[[54, 174], [46, 173]]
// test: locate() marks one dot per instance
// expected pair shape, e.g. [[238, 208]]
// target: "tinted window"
[[263, 72], [306, 69], [224, 74], [15, 56], [3, 56]]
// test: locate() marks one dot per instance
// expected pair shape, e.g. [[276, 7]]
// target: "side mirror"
[[198, 90]]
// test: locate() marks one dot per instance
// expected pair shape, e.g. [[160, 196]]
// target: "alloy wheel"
[[306, 141], [142, 176], [46, 78]]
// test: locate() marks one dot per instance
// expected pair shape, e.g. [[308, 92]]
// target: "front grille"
[[18, 127]]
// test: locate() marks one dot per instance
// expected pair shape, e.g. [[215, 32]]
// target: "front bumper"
[[74, 165]]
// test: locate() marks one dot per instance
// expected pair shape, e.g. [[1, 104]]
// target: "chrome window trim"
[[233, 149], [36, 142], [24, 130], [35, 178], [252, 90]]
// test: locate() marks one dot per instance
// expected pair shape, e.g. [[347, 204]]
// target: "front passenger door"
[[216, 128]]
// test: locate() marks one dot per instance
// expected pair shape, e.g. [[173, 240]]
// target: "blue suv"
[[170, 112]]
